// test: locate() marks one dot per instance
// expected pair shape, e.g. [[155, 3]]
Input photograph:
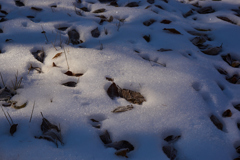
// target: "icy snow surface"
[[183, 85]]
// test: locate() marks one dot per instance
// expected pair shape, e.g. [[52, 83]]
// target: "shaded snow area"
[[119, 79]]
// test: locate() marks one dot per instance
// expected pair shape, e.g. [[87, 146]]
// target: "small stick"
[[10, 117], [32, 112], [2, 79], [6, 117]]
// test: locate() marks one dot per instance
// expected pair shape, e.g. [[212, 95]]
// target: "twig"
[[32, 112], [6, 117], [2, 79]]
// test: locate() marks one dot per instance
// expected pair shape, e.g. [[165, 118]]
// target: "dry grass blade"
[[66, 57], [2, 79], [32, 112], [17, 83], [6, 116], [10, 117]]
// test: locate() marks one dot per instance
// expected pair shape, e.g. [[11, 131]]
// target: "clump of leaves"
[[50, 132], [231, 61], [129, 95]]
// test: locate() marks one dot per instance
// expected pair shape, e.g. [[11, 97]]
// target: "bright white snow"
[[182, 87]]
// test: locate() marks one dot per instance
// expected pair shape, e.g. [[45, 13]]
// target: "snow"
[[182, 87]]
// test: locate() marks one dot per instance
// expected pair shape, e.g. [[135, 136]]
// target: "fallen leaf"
[[165, 21], [171, 138], [39, 55], [123, 109], [19, 3], [95, 33], [36, 9], [170, 152], [227, 113], [226, 19], [132, 4], [113, 3], [149, 22], [19, 107], [132, 96], [158, 6], [70, 84], [85, 9], [234, 79], [13, 129], [105, 137], [151, 1], [189, 13], [74, 36], [164, 50], [147, 38], [206, 10], [62, 28], [99, 10], [109, 79], [198, 40], [4, 12], [213, 50], [113, 91], [121, 145], [222, 71], [57, 55], [172, 30], [122, 152], [202, 29], [216, 122]]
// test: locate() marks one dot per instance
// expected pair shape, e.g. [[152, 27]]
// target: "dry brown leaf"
[[57, 55]]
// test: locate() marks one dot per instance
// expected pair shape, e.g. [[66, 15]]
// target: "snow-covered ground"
[[181, 57]]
